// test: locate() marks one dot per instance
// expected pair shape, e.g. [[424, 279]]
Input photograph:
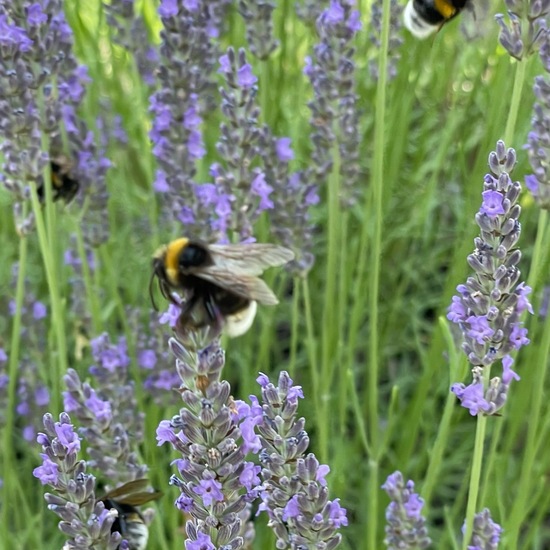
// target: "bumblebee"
[[221, 282], [424, 17], [64, 187], [130, 523]]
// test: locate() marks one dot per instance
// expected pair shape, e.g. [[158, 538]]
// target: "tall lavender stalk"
[[294, 490], [213, 433], [85, 522], [334, 120], [489, 305], [111, 423], [406, 527], [41, 88]]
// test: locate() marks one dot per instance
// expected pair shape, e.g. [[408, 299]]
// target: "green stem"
[[8, 443], [311, 346], [525, 485], [295, 327], [540, 250], [377, 190], [456, 366], [475, 476], [91, 295], [515, 102], [60, 366]]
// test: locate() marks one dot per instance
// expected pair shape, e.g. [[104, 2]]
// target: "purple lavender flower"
[[334, 119], [405, 526], [85, 522], [488, 307], [187, 60], [129, 30], [395, 38], [210, 431], [526, 30], [259, 27], [486, 533], [111, 423], [538, 141], [294, 492], [41, 87]]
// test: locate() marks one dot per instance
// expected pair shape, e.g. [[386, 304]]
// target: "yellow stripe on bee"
[[173, 251], [446, 9]]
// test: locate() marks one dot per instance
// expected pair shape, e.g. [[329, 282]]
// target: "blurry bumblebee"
[[221, 281], [130, 523], [64, 187], [424, 17]]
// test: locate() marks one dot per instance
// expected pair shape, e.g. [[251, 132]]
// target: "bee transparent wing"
[[245, 285], [133, 493], [249, 259]]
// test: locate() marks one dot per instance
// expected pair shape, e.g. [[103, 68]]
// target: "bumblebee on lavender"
[[424, 17], [220, 282], [130, 523], [64, 186]]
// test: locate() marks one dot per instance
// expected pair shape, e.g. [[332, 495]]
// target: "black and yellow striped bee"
[[130, 523], [64, 186], [424, 17], [220, 281]]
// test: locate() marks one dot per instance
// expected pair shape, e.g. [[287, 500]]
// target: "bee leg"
[[212, 310], [187, 309]]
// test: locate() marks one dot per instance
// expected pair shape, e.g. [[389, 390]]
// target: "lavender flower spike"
[[295, 493], [486, 534], [538, 143], [85, 522], [489, 305], [406, 526], [214, 434]]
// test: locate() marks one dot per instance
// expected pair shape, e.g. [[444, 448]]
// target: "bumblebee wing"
[[244, 285], [249, 259], [133, 493]]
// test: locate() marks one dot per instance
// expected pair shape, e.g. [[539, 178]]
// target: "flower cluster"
[[111, 424], [32, 387], [214, 434], [186, 66], [259, 27], [526, 29], [294, 490], [85, 521], [292, 197], [395, 38], [405, 526], [538, 139], [130, 31], [489, 306], [334, 119], [41, 88], [486, 533]]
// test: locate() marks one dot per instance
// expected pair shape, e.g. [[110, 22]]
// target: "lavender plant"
[[395, 39], [85, 521], [294, 491], [42, 87], [259, 27], [489, 305], [538, 141], [111, 423], [334, 119], [526, 30], [187, 59], [486, 533], [213, 433], [406, 527]]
